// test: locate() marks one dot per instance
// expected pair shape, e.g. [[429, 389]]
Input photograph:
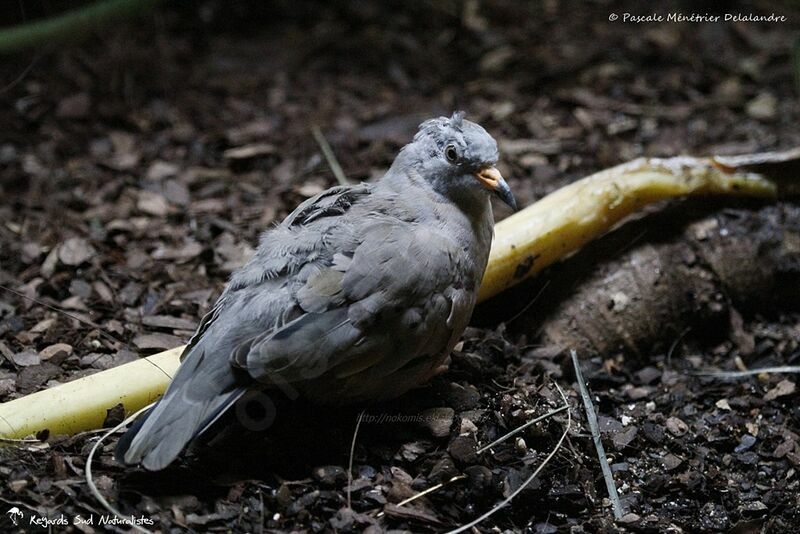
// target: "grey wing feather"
[[257, 302], [399, 276], [197, 395]]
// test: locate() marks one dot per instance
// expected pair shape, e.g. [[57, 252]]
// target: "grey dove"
[[359, 294]]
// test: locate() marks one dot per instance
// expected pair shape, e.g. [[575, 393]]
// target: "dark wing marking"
[[334, 201], [282, 253]]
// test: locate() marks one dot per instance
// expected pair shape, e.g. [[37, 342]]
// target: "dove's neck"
[[472, 201], [465, 212]]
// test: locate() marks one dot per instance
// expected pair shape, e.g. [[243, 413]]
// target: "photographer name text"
[[695, 17]]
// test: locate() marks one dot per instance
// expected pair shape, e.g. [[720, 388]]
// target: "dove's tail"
[[194, 400]]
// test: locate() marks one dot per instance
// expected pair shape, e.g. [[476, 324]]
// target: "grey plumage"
[[359, 294]]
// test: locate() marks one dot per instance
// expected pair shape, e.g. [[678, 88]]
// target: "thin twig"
[[675, 343], [330, 157], [781, 369], [529, 479], [22, 75], [430, 490], [81, 320], [72, 316], [528, 305], [260, 510], [20, 503], [14, 440], [591, 417], [521, 428], [14, 430], [90, 481], [350, 463]]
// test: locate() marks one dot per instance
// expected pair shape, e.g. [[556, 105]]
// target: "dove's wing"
[[400, 296], [258, 300]]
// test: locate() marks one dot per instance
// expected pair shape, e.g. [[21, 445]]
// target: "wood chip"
[[676, 426], [26, 358], [249, 151], [410, 513], [168, 321], [437, 420], [784, 387], [156, 341], [75, 251], [59, 351], [153, 204]]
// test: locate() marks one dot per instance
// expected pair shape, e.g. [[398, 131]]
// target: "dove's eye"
[[451, 153]]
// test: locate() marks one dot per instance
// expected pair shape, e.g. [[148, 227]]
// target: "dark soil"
[[138, 167]]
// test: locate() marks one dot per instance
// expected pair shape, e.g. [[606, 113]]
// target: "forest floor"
[[138, 168]]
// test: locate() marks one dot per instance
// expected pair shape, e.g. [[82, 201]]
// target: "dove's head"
[[457, 158]]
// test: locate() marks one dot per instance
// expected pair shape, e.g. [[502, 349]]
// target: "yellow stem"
[[565, 220], [83, 404]]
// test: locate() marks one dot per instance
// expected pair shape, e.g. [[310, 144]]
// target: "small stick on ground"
[[673, 347], [330, 157], [782, 369], [436, 487], [350, 463], [13, 440], [90, 480], [100, 330], [591, 417], [530, 479], [521, 428]]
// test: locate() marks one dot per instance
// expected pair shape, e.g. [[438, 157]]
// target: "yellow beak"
[[492, 180]]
